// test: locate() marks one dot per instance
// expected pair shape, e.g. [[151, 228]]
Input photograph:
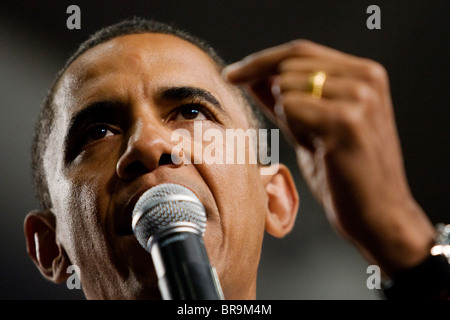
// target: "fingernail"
[[275, 87]]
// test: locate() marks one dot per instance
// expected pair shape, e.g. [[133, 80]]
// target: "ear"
[[283, 202], [49, 256]]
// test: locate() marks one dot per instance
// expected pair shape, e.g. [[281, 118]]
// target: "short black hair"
[[47, 113]]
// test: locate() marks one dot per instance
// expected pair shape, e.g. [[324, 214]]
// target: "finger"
[[303, 113], [266, 62], [333, 88], [309, 65], [262, 91], [357, 68]]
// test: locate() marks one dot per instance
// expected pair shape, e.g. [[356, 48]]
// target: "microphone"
[[169, 221]]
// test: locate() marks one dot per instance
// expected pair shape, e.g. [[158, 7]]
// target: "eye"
[[97, 132], [191, 112]]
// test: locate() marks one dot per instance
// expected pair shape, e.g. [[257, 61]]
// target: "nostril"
[[135, 168], [165, 159]]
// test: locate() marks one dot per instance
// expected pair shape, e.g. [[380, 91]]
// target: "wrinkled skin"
[[97, 169], [346, 143]]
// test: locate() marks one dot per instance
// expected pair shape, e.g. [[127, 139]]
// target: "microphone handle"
[[182, 264]]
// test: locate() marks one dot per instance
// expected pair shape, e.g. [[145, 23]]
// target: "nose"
[[149, 146]]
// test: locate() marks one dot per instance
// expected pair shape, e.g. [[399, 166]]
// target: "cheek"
[[234, 238], [77, 222], [91, 178], [238, 192], [82, 205]]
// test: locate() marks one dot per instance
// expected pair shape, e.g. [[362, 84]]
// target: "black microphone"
[[169, 221]]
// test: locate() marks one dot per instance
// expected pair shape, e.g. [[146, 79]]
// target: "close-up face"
[[161, 149], [117, 106]]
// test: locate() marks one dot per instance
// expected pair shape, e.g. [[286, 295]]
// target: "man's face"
[[117, 106]]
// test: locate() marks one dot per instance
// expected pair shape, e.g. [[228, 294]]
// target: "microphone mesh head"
[[165, 204]]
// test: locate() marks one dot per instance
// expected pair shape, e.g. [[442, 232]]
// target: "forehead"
[[154, 58], [137, 48]]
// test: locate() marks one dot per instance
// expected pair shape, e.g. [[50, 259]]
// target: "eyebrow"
[[101, 109], [105, 111], [187, 92]]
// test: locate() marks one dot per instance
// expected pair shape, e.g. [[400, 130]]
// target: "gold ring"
[[315, 83]]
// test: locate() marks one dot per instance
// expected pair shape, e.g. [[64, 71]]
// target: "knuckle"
[[301, 47], [290, 81], [290, 100], [351, 118], [287, 65], [362, 92], [374, 71]]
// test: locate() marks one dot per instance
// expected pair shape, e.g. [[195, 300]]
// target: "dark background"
[[312, 262]]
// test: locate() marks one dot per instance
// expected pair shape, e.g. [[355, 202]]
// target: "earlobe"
[[49, 256], [283, 202]]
